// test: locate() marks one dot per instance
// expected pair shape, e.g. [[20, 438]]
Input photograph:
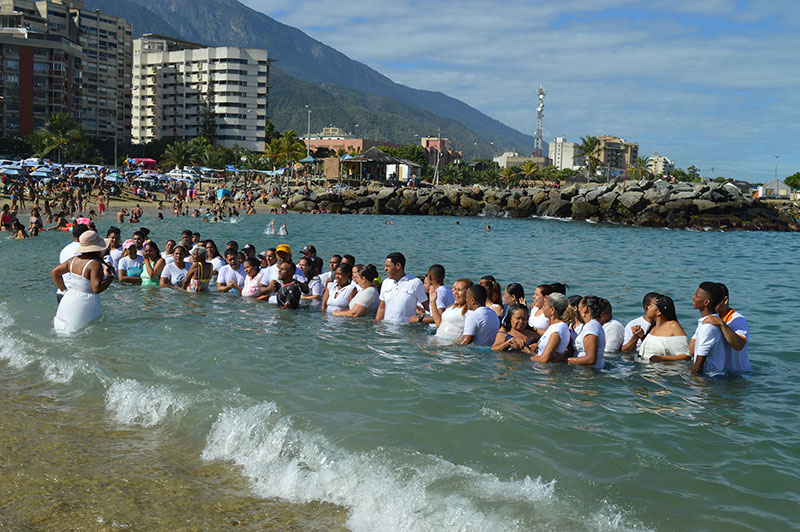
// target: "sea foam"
[[384, 490], [133, 403]]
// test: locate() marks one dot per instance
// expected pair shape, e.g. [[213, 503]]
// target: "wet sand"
[[65, 466]]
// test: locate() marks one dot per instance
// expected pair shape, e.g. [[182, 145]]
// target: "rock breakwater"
[[720, 206]]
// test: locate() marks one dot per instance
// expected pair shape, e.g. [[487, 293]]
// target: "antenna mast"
[[537, 141]]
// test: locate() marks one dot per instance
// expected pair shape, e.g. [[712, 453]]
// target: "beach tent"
[[115, 178], [222, 192], [375, 159], [308, 159]]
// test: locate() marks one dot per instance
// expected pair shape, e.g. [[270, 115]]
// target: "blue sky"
[[713, 83]]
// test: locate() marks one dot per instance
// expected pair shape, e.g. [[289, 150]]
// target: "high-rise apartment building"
[[107, 44], [57, 57], [616, 153], [40, 65], [562, 154], [660, 165], [170, 86]]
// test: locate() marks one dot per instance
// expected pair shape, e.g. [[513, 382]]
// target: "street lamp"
[[308, 133], [776, 171]]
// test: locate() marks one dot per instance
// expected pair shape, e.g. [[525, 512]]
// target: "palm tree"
[[509, 176], [292, 148], [211, 159], [529, 171], [180, 153], [587, 149], [60, 133], [639, 168]]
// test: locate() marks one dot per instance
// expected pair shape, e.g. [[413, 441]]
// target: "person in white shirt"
[[552, 346], [315, 288], [735, 331], [711, 352], [590, 343], [444, 296], [615, 331], [400, 292], [325, 277], [283, 254], [367, 299], [636, 328], [169, 249], [340, 291], [481, 323], [232, 275], [114, 235], [665, 340], [68, 252], [450, 321], [174, 274]]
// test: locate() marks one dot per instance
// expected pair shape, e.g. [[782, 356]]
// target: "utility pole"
[[308, 132], [537, 141], [776, 171], [438, 157]]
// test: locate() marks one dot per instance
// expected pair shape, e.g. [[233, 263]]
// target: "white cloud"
[[695, 80]]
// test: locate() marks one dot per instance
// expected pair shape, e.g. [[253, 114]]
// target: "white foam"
[[59, 371], [383, 490], [133, 403], [12, 349]]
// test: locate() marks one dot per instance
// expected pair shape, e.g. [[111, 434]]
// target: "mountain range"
[[340, 90]]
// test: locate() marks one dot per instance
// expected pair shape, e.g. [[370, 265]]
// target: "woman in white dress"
[[537, 319], [665, 340], [81, 303], [450, 322], [590, 343], [553, 345], [367, 299], [340, 291]]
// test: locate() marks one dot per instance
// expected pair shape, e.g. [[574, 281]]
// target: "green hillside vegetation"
[[228, 22]]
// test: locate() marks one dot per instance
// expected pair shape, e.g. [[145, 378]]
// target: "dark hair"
[[337, 257], [479, 293], [511, 310], [648, 297], [145, 231], [397, 258], [560, 288], [232, 244], [369, 272], [605, 306], [724, 290], [574, 300], [273, 250], [515, 290], [186, 232], [351, 260], [714, 292], [179, 246], [317, 261], [667, 307], [346, 268], [216, 249], [292, 264], [153, 244], [492, 290], [594, 304], [251, 262], [139, 233], [436, 273], [195, 234], [113, 230], [79, 229]]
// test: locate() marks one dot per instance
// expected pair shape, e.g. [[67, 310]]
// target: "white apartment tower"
[[659, 165], [562, 153], [170, 83]]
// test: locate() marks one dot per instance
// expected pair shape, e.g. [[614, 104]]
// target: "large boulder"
[[581, 210], [704, 206], [555, 207], [385, 193], [633, 201], [595, 192], [539, 197], [607, 200]]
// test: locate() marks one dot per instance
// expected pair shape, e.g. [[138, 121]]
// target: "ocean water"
[[206, 411]]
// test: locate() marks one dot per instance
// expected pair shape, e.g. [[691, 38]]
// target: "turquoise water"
[[407, 435]]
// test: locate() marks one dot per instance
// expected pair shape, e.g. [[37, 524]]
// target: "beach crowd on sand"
[[553, 328]]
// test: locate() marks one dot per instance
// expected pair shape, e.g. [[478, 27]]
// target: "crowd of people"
[[554, 327]]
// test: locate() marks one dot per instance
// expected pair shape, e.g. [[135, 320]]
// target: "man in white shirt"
[[444, 296], [400, 292], [115, 248], [270, 273], [710, 349], [481, 323], [232, 274], [325, 277], [735, 332], [614, 330], [67, 252], [636, 329]]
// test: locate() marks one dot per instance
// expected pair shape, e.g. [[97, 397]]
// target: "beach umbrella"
[[115, 178], [10, 171], [222, 192]]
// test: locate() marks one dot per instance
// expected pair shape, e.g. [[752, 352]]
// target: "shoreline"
[[697, 206]]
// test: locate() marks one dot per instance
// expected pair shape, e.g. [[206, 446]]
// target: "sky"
[[709, 83]]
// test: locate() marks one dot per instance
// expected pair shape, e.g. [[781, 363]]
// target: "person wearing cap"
[[270, 273], [130, 266], [250, 251], [309, 251], [90, 276]]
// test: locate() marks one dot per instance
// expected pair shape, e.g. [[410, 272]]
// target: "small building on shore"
[[775, 189], [512, 158]]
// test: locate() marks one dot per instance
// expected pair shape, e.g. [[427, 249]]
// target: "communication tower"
[[537, 140]]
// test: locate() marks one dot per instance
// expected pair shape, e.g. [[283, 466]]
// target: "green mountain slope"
[[336, 87], [231, 23]]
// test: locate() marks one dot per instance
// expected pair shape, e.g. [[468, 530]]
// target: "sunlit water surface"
[[333, 422]]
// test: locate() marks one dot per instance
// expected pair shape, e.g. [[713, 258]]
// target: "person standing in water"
[[89, 277]]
